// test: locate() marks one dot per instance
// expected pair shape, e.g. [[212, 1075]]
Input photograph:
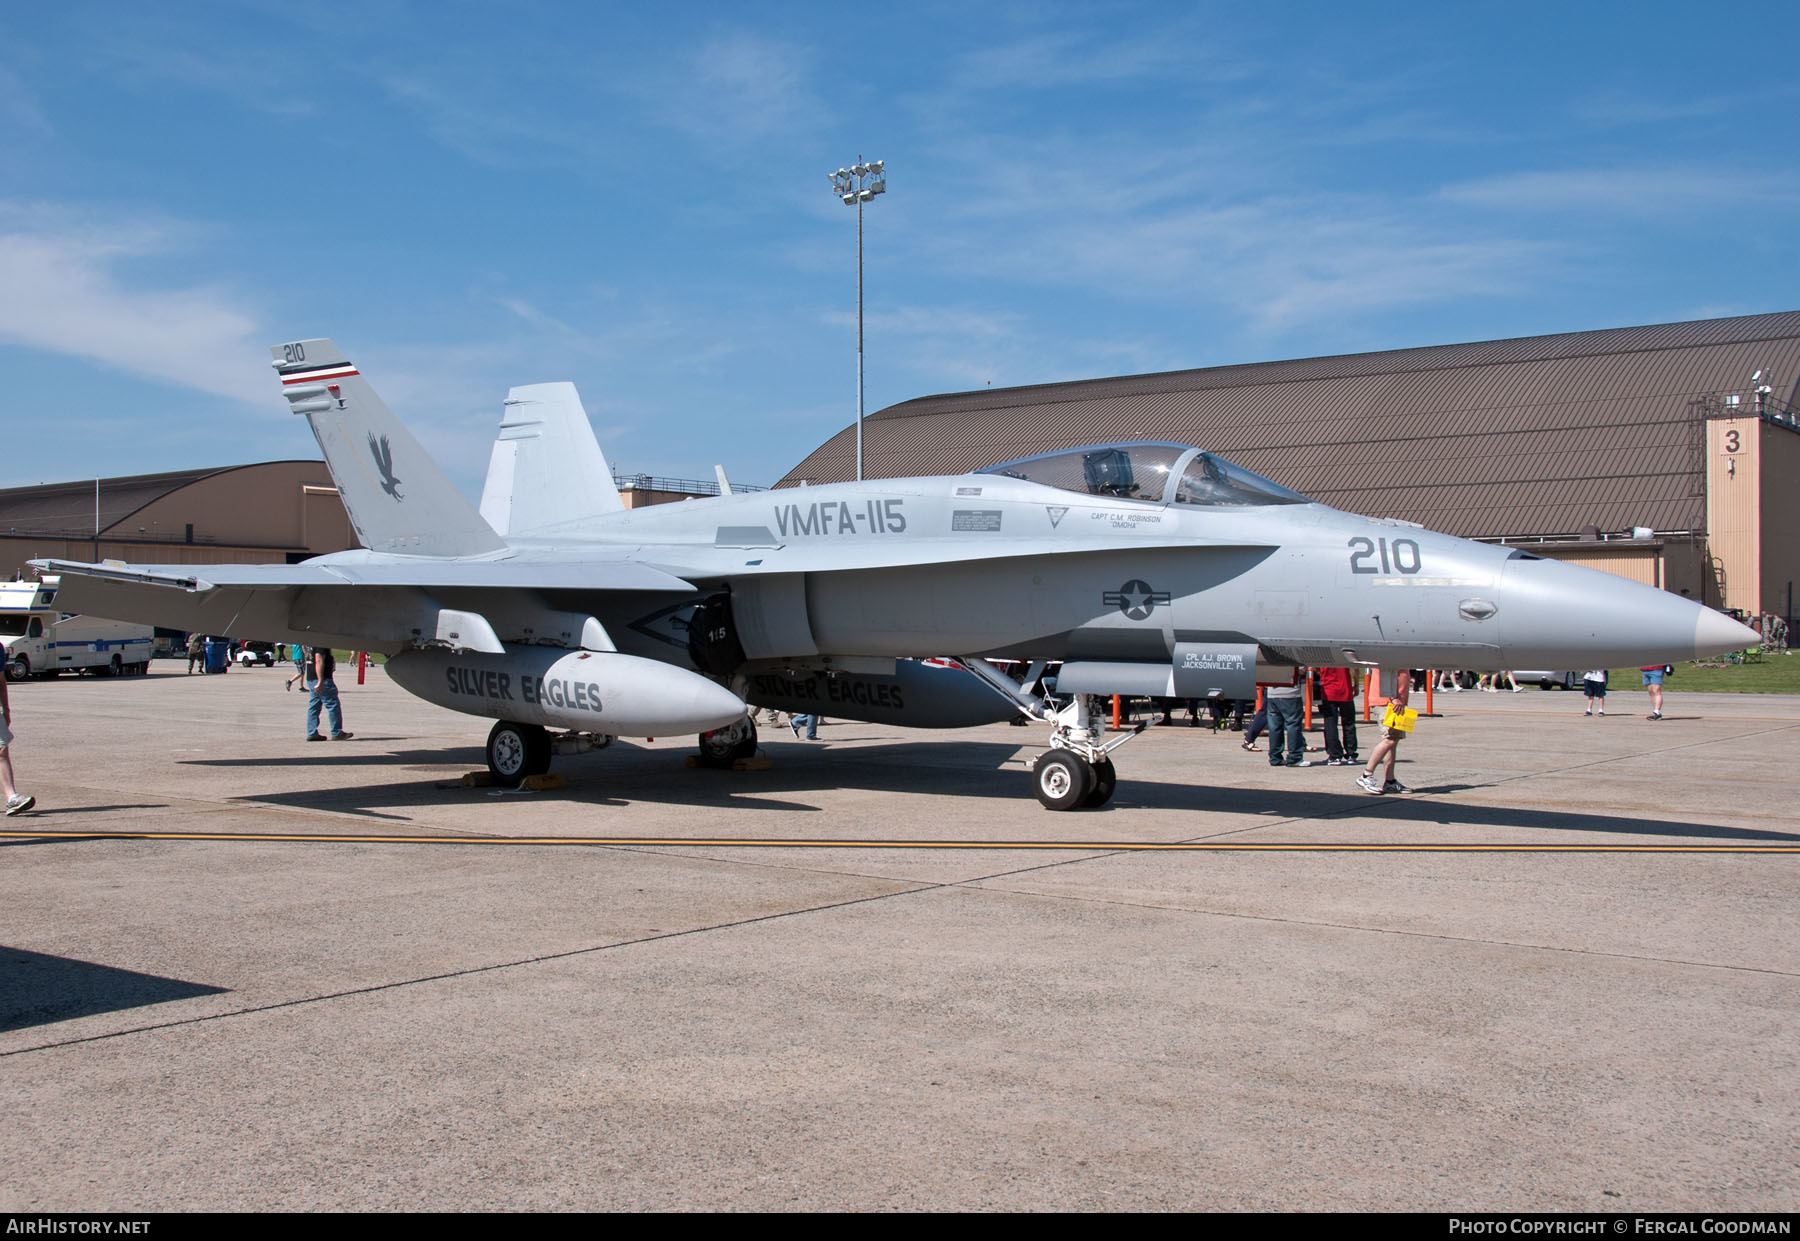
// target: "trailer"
[[42, 640]]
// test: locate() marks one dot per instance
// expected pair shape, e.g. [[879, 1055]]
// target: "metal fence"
[[683, 486]]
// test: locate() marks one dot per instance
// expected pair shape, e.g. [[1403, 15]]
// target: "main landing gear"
[[516, 751], [1077, 770], [723, 746]]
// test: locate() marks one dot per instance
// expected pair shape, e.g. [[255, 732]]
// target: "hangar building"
[[1668, 454], [246, 514]]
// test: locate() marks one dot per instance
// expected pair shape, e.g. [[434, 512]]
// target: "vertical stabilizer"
[[397, 498], [547, 468]]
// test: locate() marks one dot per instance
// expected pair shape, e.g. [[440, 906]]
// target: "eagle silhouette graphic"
[[384, 461]]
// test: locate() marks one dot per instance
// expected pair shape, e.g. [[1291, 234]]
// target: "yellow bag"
[[1401, 720]]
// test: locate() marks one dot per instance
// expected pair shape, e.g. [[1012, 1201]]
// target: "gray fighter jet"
[[1142, 568]]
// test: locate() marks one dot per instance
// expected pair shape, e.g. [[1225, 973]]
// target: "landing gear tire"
[[1105, 781], [1063, 780], [19, 669], [515, 751], [724, 746]]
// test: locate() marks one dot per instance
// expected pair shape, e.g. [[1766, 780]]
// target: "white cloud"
[[252, 78], [64, 294], [486, 122], [933, 321], [1636, 191], [738, 85], [1276, 261], [1056, 59], [536, 317]]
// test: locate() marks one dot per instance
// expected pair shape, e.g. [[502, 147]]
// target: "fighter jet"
[[1141, 568]]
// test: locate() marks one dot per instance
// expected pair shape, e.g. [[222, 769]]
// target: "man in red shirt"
[[1339, 711]]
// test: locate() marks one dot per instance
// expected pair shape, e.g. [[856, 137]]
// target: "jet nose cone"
[[1563, 616], [1715, 633]]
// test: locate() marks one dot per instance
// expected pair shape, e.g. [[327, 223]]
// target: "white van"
[[42, 641]]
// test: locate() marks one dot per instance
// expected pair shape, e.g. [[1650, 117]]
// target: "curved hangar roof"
[[1535, 436], [247, 505]]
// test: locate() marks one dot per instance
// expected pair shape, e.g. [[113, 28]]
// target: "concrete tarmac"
[[934, 995]]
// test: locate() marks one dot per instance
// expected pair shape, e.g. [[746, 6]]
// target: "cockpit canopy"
[[1149, 470]]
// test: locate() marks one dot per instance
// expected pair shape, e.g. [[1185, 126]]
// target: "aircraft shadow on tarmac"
[[37, 989], [465, 758], [1428, 804], [625, 774]]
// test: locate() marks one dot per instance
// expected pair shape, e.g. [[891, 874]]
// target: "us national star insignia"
[[1136, 599]]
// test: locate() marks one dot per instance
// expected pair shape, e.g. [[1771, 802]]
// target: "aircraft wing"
[[428, 574], [380, 605]]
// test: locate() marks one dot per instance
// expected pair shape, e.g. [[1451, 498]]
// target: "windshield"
[[12, 626], [1142, 470], [1213, 480]]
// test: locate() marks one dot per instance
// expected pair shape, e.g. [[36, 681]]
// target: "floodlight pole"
[[859, 336], [857, 186]]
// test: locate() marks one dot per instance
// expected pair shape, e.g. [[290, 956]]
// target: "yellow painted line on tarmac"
[[727, 842]]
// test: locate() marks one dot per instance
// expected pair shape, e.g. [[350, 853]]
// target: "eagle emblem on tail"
[[384, 461]]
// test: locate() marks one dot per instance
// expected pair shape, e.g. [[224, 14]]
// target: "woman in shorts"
[[1653, 679]]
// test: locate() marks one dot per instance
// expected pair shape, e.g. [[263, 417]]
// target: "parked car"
[[261, 654], [1548, 680]]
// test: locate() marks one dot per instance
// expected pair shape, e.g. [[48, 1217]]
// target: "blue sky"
[[471, 196]]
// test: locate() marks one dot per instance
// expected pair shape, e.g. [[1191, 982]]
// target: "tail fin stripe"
[[324, 372]]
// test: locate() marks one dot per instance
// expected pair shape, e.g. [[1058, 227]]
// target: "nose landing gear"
[[1077, 769]]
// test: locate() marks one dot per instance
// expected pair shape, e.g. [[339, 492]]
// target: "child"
[[1593, 684]]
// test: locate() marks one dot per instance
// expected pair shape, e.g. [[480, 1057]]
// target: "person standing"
[[1653, 681], [1283, 705], [322, 687], [1593, 687], [1338, 688], [196, 652], [1259, 724], [1388, 748], [16, 803]]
